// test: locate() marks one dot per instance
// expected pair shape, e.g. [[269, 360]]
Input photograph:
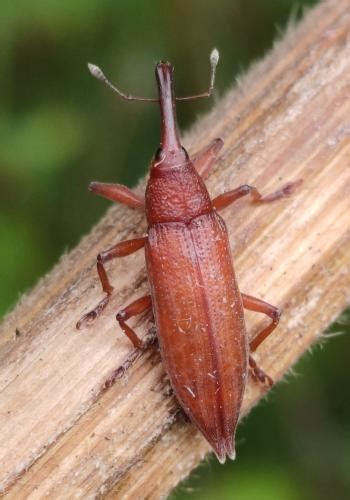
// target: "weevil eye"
[[185, 152], [159, 156]]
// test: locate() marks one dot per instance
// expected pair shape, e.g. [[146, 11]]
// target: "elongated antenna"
[[214, 59], [99, 75]]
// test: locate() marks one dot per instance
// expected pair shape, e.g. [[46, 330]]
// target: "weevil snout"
[[164, 75]]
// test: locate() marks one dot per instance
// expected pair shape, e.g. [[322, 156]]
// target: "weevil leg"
[[205, 159], [258, 374], [258, 305], [225, 199], [119, 250], [139, 306], [117, 192]]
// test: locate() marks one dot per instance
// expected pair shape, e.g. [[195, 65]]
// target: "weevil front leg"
[[117, 192], [223, 200], [258, 305], [119, 250], [205, 159], [139, 306]]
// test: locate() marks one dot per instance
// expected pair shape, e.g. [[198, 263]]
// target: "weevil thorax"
[[175, 191]]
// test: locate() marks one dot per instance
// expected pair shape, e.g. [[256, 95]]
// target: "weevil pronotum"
[[196, 303]]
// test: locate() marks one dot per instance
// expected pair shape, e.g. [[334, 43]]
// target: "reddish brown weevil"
[[197, 305]]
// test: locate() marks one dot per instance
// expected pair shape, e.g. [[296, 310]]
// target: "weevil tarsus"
[[258, 374]]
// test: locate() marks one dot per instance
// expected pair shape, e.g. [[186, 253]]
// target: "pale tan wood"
[[63, 434]]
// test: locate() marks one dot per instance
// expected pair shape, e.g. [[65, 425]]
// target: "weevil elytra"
[[196, 302]]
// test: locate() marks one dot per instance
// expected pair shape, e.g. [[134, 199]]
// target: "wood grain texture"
[[65, 432]]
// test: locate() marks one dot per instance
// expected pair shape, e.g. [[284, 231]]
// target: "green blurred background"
[[59, 129]]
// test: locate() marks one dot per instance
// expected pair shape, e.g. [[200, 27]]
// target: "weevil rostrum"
[[196, 302]]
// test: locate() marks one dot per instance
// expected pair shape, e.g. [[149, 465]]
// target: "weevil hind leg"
[[119, 250], [258, 305], [137, 307], [205, 159]]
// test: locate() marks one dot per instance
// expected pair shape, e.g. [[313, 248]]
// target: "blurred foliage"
[[59, 129]]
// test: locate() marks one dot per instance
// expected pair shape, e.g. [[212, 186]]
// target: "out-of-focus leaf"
[[41, 141]]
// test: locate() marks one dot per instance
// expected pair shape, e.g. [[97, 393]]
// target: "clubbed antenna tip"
[[214, 57], [96, 72]]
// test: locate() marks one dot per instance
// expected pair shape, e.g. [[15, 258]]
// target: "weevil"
[[196, 303]]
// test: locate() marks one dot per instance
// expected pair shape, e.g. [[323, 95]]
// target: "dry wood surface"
[[68, 431]]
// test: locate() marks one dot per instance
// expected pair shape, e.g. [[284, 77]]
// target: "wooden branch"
[[65, 432]]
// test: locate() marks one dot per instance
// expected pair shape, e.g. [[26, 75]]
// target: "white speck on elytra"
[[190, 391]]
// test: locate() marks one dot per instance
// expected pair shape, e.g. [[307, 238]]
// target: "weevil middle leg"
[[225, 199], [121, 249]]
